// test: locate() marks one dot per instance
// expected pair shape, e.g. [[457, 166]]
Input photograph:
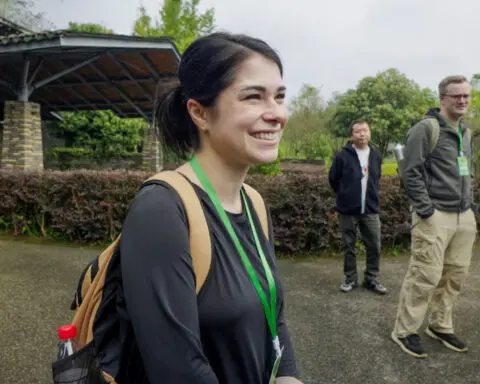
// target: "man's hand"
[[287, 380]]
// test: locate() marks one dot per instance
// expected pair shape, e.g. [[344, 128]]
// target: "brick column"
[[152, 160], [22, 137]]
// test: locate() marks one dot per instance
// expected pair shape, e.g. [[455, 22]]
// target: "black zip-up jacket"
[[345, 178]]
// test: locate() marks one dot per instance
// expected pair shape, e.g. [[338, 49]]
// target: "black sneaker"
[[411, 344], [375, 286], [448, 339], [348, 285]]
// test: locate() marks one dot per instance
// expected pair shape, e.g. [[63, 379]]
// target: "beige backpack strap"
[[93, 297], [200, 243], [260, 207]]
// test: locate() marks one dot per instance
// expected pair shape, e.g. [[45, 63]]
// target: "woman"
[[229, 112]]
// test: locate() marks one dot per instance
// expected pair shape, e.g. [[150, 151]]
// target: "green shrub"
[[90, 206], [271, 169], [71, 158]]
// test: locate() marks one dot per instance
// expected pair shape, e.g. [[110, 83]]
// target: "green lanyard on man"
[[462, 160]]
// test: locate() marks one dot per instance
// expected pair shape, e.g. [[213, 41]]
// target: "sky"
[[327, 44]]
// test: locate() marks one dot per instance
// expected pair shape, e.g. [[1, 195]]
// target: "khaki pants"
[[441, 253]]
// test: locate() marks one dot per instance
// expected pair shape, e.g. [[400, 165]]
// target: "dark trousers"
[[370, 231]]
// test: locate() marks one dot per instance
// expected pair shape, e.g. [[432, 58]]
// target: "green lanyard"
[[460, 138], [270, 310]]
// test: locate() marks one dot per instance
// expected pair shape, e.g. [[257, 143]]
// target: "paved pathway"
[[339, 338]]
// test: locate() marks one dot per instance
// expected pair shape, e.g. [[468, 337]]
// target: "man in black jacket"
[[355, 178]]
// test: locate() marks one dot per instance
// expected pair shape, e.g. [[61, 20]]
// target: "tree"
[[390, 102], [89, 28], [21, 12], [179, 19], [102, 132], [307, 134]]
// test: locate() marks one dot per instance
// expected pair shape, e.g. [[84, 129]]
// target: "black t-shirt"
[[222, 335]]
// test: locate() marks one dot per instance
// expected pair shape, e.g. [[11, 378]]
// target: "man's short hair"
[[456, 79], [359, 121]]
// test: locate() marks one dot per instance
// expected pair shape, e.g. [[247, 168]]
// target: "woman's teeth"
[[265, 135]]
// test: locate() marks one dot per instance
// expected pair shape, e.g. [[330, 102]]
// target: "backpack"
[[435, 134], [92, 284]]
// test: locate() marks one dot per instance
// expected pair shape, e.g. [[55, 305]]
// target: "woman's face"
[[249, 117]]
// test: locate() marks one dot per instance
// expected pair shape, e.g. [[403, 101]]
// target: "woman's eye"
[[255, 96], [281, 96]]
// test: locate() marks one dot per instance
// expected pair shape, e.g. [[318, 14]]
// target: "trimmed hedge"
[[89, 206], [63, 159]]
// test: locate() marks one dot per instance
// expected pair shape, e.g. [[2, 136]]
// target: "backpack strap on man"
[[200, 242], [435, 132], [260, 208]]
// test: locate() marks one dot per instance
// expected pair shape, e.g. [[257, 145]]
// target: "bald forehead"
[[359, 126]]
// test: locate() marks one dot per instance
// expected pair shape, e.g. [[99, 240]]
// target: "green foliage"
[[79, 206], [307, 134], [74, 152], [473, 121], [87, 206], [81, 158], [272, 169], [89, 28], [179, 19], [99, 134], [102, 132], [473, 115], [390, 101]]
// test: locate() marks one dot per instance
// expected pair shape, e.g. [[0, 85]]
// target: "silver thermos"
[[398, 151]]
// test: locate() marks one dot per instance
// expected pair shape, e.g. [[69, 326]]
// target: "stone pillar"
[[151, 152], [22, 137]]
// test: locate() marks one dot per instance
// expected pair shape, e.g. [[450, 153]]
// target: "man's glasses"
[[458, 96]]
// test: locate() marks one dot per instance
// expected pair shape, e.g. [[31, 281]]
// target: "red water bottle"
[[66, 345]]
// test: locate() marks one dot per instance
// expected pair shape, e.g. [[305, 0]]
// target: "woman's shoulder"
[[157, 198]]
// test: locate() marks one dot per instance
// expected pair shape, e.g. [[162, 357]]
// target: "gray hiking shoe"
[[348, 285]]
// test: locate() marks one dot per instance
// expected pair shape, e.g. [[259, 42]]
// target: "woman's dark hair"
[[207, 67]]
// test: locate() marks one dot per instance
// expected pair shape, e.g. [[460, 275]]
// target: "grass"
[[389, 166], [389, 169]]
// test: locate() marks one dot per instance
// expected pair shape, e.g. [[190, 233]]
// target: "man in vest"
[[355, 178], [439, 188]]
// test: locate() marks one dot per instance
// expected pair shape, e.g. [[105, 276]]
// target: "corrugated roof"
[[72, 71], [28, 37], [20, 38], [8, 27]]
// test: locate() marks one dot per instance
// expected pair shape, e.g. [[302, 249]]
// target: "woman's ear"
[[199, 114]]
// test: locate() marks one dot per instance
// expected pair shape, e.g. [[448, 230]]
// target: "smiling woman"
[[229, 104], [228, 113]]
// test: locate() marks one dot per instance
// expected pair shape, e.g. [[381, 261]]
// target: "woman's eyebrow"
[[261, 88]]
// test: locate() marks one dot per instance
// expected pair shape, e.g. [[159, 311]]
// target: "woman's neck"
[[225, 178]]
